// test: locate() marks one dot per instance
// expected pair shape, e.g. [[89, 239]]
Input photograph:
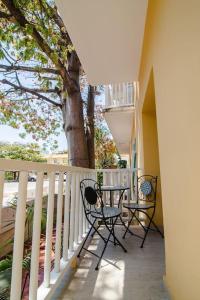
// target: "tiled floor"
[[135, 275]]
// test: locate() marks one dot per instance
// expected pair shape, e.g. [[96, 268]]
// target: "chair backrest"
[[91, 195], [147, 188]]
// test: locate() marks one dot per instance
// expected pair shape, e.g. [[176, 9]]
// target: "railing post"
[[105, 182], [128, 184], [85, 222], [124, 93], [49, 230], [134, 92], [36, 237], [59, 223], [114, 94], [66, 217], [16, 281], [106, 96], [120, 94], [77, 206], [1, 198], [72, 212], [80, 211]]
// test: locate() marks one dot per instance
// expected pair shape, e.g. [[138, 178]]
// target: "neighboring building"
[[60, 158]]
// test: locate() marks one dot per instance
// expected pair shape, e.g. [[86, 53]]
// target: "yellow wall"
[[172, 50], [57, 158], [150, 144]]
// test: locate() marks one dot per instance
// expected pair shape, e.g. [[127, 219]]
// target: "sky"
[[11, 135]]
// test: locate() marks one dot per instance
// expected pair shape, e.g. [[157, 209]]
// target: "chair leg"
[[143, 227], [111, 232], [146, 232], [95, 231], [102, 253], [86, 238], [114, 239], [154, 224], [114, 236], [160, 232], [129, 223]]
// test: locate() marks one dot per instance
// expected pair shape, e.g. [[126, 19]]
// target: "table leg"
[[111, 199], [120, 206]]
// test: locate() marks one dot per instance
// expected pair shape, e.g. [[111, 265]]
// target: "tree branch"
[[23, 22], [28, 69], [48, 91], [58, 20], [4, 15], [31, 91]]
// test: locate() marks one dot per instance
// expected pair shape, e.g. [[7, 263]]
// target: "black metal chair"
[[146, 191], [95, 209]]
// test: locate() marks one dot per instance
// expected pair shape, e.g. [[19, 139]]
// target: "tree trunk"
[[90, 127], [72, 109], [74, 131]]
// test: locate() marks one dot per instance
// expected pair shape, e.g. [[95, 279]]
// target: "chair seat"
[[139, 206], [108, 212]]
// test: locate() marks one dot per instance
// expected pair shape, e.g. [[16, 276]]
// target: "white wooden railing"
[[122, 94], [117, 177], [71, 225]]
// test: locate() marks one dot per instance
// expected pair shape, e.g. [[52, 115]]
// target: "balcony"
[[119, 108], [66, 228], [120, 95], [66, 225]]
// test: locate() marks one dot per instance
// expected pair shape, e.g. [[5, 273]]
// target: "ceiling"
[[107, 35]]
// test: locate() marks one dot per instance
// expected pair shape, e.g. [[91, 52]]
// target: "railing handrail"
[[121, 94], [118, 170], [68, 204], [27, 166]]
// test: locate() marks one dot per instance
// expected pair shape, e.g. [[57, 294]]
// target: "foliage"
[[5, 274], [26, 263], [30, 214], [30, 96], [28, 152], [122, 164], [105, 149], [36, 58], [6, 263]]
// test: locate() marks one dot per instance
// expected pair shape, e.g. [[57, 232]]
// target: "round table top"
[[107, 188]]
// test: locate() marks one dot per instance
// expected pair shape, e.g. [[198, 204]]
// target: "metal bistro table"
[[113, 188], [117, 188]]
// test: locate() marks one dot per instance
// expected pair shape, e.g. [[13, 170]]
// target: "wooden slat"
[[28, 166], [66, 217], [59, 223], [77, 206], [72, 212], [84, 219], [80, 212], [16, 282], [49, 230], [36, 237], [1, 197]]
